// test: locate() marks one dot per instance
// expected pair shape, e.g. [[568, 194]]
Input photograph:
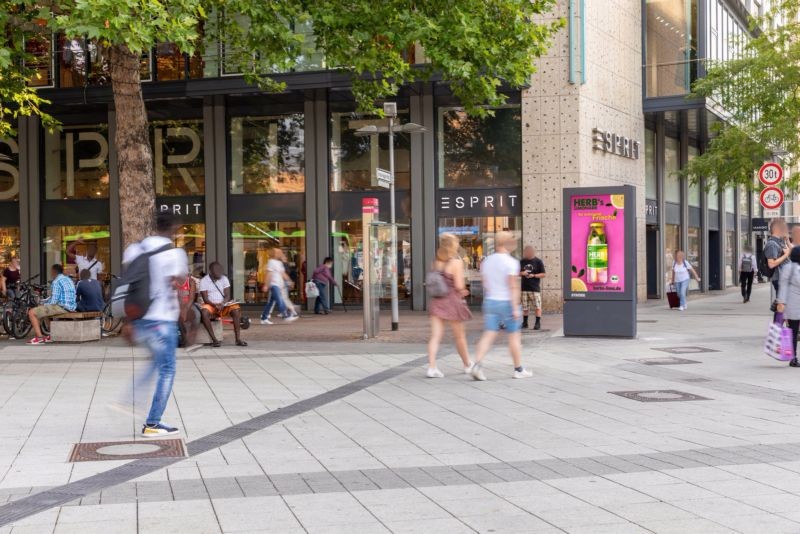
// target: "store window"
[[170, 62], [76, 163], [39, 50], [672, 165], [59, 238], [730, 263], [252, 243], [713, 198], [670, 47], [476, 237], [672, 244], [72, 62], [268, 154], [348, 262], [178, 158], [694, 254], [694, 187], [355, 160], [730, 200], [9, 245], [9, 170], [192, 239], [480, 152], [651, 179]]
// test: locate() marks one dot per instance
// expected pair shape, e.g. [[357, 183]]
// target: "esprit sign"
[[162, 137], [479, 202], [9, 169], [613, 143], [186, 209]]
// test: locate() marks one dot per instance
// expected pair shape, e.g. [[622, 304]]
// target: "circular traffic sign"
[[771, 198], [770, 174]]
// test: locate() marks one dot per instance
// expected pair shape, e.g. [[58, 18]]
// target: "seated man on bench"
[[61, 301], [215, 290], [89, 293]]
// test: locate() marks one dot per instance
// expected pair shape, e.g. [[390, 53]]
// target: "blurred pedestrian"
[[532, 271], [789, 298], [277, 279], [747, 267], [682, 272], [501, 304], [324, 280], [451, 308]]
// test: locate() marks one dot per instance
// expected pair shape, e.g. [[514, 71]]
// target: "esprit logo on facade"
[[161, 137], [10, 170], [475, 201], [181, 208], [613, 143]]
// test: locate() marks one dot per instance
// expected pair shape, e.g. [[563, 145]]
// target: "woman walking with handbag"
[[682, 272], [447, 288], [789, 298]]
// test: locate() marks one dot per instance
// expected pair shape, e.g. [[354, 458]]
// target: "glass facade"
[[76, 163], [355, 160], [477, 152], [651, 176], [9, 169], [192, 239], [694, 253], [730, 259], [251, 245], [9, 245], [267, 154], [178, 160], [694, 187], [672, 244], [670, 47], [57, 239]]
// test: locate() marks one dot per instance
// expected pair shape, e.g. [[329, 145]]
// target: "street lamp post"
[[390, 112]]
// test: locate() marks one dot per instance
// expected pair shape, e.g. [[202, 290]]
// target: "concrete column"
[[116, 247], [321, 157], [30, 199], [312, 254]]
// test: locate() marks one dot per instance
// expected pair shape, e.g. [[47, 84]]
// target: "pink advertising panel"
[[597, 255]]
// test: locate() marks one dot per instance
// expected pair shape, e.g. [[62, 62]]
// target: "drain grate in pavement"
[[127, 450], [646, 321], [685, 350], [667, 360], [659, 395]]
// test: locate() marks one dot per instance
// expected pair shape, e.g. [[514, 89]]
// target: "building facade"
[[248, 171]]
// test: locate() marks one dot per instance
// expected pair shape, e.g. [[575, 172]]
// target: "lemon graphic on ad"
[[618, 201], [578, 285]]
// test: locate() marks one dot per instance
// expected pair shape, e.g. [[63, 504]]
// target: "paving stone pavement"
[[349, 437]]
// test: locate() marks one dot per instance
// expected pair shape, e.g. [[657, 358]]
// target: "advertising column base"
[[598, 318]]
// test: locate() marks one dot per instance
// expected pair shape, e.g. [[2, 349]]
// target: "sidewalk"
[[349, 437]]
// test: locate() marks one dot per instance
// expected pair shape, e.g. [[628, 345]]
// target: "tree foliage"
[[758, 92]]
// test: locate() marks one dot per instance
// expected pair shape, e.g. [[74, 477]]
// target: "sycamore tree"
[[758, 94], [476, 46]]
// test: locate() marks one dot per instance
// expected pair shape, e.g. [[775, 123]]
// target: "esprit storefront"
[[249, 175]]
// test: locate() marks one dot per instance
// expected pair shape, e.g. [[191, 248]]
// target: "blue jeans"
[[322, 302], [161, 339], [276, 300], [682, 288], [497, 312]]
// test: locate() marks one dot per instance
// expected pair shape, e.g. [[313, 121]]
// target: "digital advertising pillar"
[[599, 266]]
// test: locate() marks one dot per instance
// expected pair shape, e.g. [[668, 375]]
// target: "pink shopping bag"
[[779, 343]]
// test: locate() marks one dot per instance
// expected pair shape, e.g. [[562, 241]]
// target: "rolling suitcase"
[[672, 297]]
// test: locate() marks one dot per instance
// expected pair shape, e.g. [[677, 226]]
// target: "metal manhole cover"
[[127, 450], [667, 360], [685, 350], [659, 395]]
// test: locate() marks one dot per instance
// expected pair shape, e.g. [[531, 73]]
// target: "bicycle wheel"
[[6, 322], [109, 324], [20, 324]]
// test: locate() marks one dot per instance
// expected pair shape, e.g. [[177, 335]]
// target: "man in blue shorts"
[[501, 304]]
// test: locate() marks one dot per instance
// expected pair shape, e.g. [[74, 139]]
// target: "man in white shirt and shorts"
[[215, 289], [501, 304]]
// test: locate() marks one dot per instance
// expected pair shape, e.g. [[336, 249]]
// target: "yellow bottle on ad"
[[597, 254]]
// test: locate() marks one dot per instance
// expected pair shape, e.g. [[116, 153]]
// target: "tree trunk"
[[132, 140]]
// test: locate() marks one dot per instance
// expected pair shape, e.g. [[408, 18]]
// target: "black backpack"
[[131, 298], [763, 265]]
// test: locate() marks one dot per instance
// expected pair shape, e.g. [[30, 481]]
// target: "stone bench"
[[76, 327], [202, 336]]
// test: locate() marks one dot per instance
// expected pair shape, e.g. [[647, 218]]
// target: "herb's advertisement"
[[598, 244]]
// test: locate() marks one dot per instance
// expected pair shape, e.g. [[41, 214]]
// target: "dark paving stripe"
[[58, 496]]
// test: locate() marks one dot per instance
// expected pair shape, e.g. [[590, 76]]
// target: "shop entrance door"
[[652, 263], [714, 274]]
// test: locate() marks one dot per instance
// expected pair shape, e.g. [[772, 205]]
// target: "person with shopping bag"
[[789, 298]]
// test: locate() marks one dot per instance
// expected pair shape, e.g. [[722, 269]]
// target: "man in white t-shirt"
[[89, 262], [215, 290], [276, 279], [157, 331], [501, 304]]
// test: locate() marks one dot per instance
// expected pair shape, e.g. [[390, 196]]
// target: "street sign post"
[[385, 178], [771, 198], [770, 174]]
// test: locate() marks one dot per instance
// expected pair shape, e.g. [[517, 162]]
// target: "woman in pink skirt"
[[451, 308]]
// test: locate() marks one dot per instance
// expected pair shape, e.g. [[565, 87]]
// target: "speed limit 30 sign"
[[770, 174], [771, 198]]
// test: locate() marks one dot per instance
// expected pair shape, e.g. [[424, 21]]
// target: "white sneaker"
[[477, 372], [434, 372], [266, 321], [290, 319], [468, 368], [681, 308], [522, 374]]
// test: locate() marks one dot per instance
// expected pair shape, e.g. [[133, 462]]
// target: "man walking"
[[532, 271], [157, 331], [501, 304], [61, 301], [747, 267], [276, 279], [777, 250], [324, 280]]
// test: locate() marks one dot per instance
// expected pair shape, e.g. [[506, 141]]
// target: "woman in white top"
[[682, 272]]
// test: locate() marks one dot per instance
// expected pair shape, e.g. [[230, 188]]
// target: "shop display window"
[[251, 246], [476, 237], [9, 245], [672, 244], [478, 152], [76, 163], [59, 238], [268, 154], [694, 254], [192, 239]]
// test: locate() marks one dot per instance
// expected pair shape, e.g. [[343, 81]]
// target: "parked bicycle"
[[15, 313], [108, 323]]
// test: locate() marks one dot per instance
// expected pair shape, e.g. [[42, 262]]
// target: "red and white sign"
[[771, 198], [369, 205], [770, 174]]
